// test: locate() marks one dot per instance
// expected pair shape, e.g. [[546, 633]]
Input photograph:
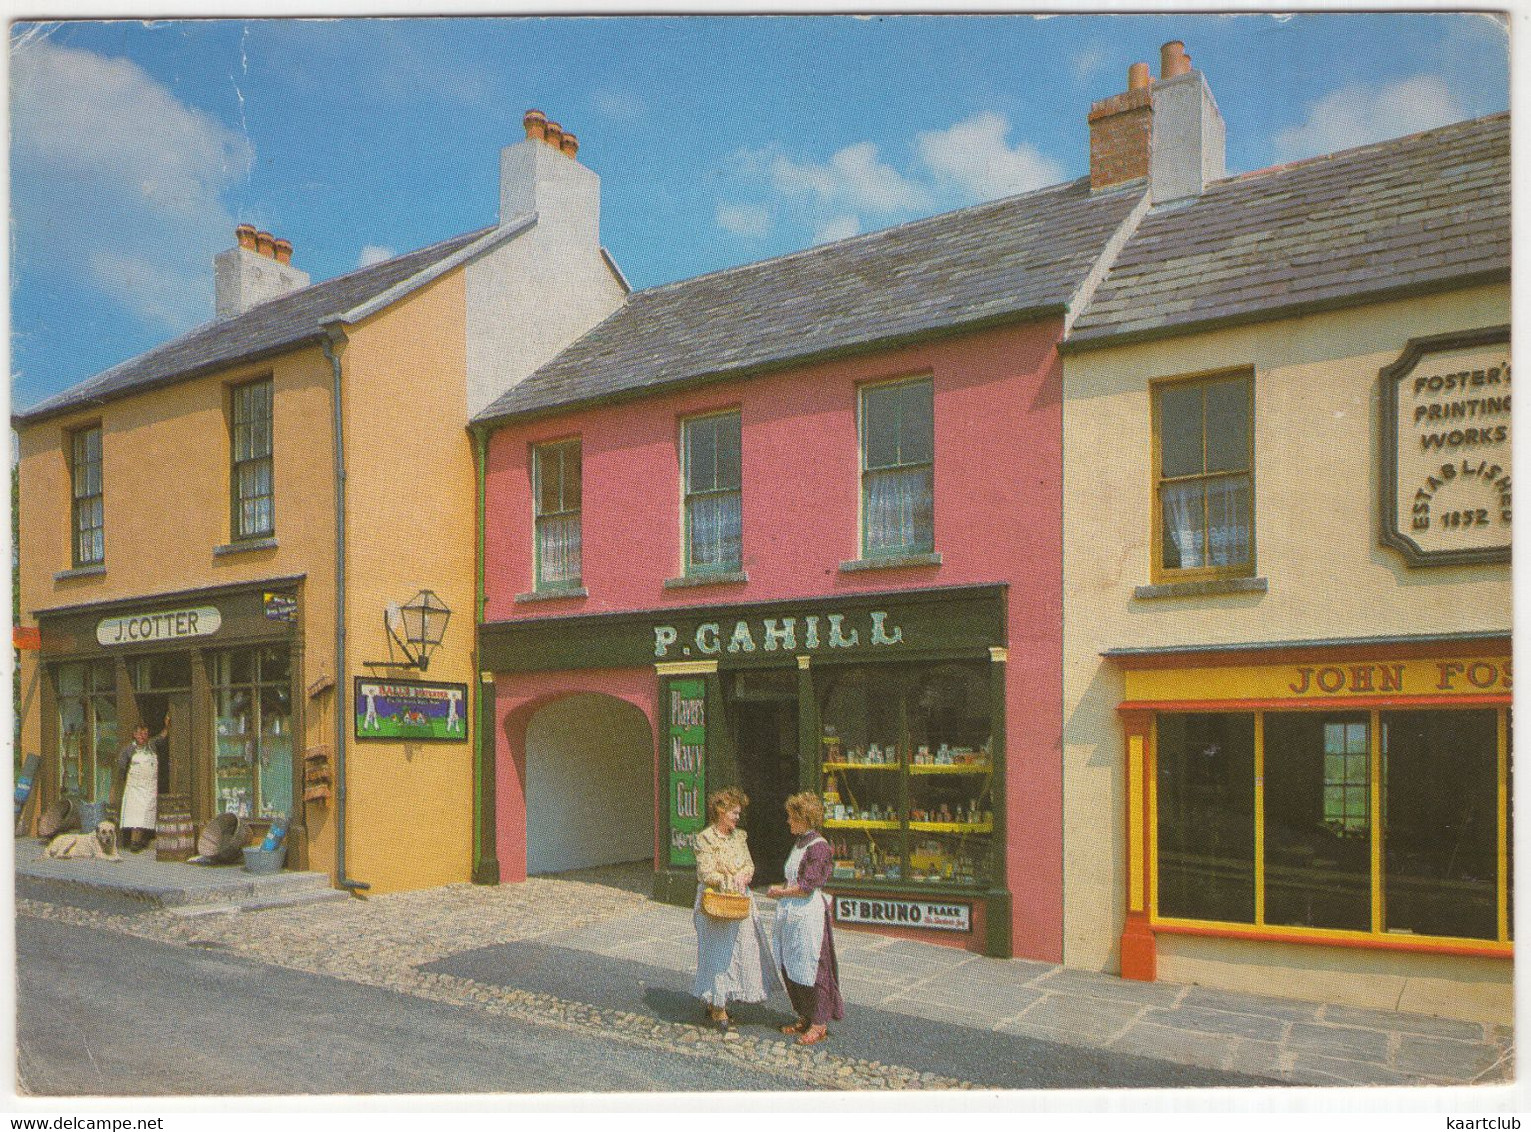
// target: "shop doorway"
[[765, 738], [155, 709]]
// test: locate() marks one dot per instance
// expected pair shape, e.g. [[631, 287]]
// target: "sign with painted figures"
[[686, 733], [415, 711], [1446, 449]]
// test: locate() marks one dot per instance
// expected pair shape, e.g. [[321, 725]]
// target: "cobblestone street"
[[454, 945]]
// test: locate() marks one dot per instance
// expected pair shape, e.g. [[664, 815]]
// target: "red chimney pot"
[[536, 124]]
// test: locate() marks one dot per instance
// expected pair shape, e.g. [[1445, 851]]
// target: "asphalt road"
[[103, 1014], [982, 1057]]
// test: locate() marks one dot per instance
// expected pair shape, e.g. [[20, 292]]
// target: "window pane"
[[274, 666], [71, 679], [916, 427], [1206, 822], [1317, 832], [558, 550], [572, 476], [879, 426], [1180, 451], [103, 677], [701, 455], [548, 473], [900, 512], [104, 708], [713, 526], [1185, 525], [1440, 870], [729, 476], [1228, 521], [1228, 425]]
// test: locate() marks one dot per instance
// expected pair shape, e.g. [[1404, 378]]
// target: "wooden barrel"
[[174, 836]]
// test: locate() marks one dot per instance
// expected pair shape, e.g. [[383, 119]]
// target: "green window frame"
[[251, 495], [712, 494], [87, 514], [558, 537], [898, 468]]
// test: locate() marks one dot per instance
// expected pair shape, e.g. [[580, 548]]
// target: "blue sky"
[[137, 147]]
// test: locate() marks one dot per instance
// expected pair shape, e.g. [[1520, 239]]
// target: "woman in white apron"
[[138, 773], [805, 943]]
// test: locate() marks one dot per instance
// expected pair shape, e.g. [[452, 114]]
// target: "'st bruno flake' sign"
[[903, 913], [1446, 449]]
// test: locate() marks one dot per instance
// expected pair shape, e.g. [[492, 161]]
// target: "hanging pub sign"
[[687, 734], [1446, 448], [415, 711]]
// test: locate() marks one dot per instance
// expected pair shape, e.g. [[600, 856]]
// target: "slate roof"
[[1427, 210], [1022, 256], [269, 328]]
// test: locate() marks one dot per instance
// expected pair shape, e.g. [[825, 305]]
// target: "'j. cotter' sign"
[[1446, 449]]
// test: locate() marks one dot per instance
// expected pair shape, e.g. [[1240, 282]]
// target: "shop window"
[[907, 774], [1434, 839], [1318, 820], [252, 511], [711, 473], [89, 527], [1203, 490], [556, 485], [252, 697], [1441, 858], [87, 730], [1206, 826], [897, 468]]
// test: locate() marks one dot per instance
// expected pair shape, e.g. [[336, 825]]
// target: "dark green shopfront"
[[611, 729]]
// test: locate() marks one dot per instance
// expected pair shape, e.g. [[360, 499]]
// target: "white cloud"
[[854, 177], [973, 156], [744, 219], [115, 180], [836, 228], [1087, 61], [1359, 115], [622, 106], [374, 253]]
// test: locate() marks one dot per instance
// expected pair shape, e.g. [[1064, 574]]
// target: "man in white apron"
[[138, 779]]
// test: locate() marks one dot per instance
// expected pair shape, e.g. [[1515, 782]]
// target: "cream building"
[[1287, 674]]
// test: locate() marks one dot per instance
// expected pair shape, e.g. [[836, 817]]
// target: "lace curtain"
[[1217, 535], [900, 512], [558, 550], [714, 525]]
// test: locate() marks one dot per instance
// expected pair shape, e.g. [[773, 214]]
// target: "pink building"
[[796, 525]]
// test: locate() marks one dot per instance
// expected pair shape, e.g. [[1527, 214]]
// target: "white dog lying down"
[[102, 844]]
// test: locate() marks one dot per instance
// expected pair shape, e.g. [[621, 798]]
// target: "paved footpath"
[[582, 952]]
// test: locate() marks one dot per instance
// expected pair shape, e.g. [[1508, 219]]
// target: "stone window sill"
[[97, 571], [721, 578], [890, 562], [553, 595], [1211, 587], [242, 546]]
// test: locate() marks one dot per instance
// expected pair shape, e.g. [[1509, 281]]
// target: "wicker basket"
[[60, 817], [725, 905]]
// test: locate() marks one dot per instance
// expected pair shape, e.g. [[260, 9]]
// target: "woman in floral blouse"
[[733, 957]]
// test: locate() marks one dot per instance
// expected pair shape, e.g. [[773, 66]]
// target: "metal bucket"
[[265, 861], [92, 814]]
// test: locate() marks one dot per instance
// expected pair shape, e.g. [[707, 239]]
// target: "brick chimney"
[[543, 174], [1168, 131], [257, 269]]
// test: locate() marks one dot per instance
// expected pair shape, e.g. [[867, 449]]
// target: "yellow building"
[[1287, 676], [238, 532]]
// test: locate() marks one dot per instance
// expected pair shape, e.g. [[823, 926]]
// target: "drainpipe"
[[334, 342], [486, 858]]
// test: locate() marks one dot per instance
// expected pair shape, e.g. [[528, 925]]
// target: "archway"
[[589, 784]]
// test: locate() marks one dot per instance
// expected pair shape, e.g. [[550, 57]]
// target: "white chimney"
[[1188, 146], [542, 174], [256, 270]]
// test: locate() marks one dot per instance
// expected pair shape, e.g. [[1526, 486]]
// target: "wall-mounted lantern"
[[416, 627]]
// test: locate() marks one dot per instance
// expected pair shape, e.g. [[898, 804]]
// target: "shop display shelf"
[[951, 826], [954, 768], [858, 823], [862, 766]]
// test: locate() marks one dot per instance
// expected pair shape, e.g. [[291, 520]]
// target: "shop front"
[[216, 670], [1316, 811], [890, 706]]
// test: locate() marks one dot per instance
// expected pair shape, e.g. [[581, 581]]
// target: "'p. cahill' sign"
[[1446, 449]]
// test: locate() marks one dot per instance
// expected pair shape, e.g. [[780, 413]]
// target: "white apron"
[[800, 925], [140, 795]]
